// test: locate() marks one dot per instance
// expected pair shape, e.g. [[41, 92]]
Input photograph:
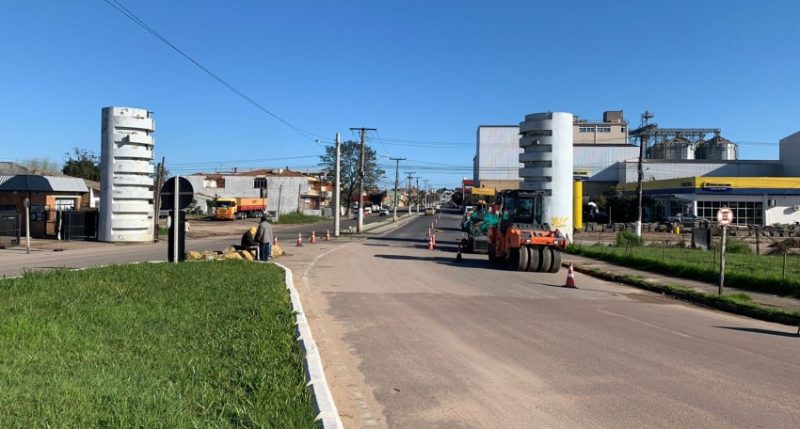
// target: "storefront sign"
[[717, 187]]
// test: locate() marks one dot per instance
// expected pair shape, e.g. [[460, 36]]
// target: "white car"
[[384, 212]]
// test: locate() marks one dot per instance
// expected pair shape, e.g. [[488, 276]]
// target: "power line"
[[117, 5]]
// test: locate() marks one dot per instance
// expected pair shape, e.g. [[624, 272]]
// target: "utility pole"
[[417, 193], [157, 199], [337, 185], [361, 177], [427, 192], [646, 116], [410, 175], [396, 183]]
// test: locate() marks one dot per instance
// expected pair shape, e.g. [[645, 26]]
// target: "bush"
[[733, 245], [625, 237]]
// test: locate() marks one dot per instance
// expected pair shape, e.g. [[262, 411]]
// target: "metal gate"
[[78, 225], [9, 229]]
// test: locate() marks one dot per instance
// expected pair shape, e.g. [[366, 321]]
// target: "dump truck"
[[521, 240], [239, 208]]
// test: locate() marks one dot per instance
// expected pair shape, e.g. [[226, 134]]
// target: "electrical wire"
[[117, 5]]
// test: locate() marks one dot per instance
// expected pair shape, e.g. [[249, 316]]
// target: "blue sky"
[[423, 71]]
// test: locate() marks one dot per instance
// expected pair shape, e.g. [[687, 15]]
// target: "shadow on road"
[[760, 331], [445, 260]]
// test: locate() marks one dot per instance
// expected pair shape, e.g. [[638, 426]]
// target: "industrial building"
[[598, 145], [697, 159]]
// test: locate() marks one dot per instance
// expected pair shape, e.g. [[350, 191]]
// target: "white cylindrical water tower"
[[546, 139], [126, 175]]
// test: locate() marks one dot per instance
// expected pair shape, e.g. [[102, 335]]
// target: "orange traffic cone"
[[430, 243], [327, 235], [275, 240], [433, 238], [299, 240], [570, 278], [458, 255], [313, 237]]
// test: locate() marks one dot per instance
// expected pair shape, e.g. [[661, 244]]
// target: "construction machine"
[[521, 239]]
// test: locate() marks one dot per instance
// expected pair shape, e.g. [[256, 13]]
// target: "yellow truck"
[[238, 208]]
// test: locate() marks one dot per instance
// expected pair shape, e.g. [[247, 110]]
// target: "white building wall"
[[126, 182], [548, 162], [786, 209], [790, 155], [600, 161], [498, 153], [660, 170]]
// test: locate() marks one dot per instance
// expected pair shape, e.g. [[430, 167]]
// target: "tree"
[[82, 163], [40, 165], [350, 168]]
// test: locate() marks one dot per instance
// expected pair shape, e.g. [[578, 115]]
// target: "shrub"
[[733, 245], [625, 237]]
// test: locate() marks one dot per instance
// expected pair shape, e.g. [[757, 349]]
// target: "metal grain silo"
[[126, 181], [546, 139], [717, 148]]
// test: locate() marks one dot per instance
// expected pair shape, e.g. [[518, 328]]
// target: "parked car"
[[680, 219], [429, 211], [384, 212]]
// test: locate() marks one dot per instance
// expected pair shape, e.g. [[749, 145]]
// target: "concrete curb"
[[756, 311], [327, 414]]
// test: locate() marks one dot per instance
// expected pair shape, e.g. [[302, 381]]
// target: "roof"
[[37, 183]]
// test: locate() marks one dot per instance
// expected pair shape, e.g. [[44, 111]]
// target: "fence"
[[9, 229], [762, 240], [78, 225]]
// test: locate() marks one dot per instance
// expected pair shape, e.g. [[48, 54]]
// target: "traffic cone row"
[[299, 240], [570, 278], [313, 239]]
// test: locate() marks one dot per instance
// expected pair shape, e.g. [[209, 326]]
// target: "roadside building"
[[48, 196], [286, 191], [754, 200]]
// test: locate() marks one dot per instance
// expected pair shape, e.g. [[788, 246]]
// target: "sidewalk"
[[589, 266]]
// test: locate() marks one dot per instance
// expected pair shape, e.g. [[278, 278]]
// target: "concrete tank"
[[126, 181], [546, 139]]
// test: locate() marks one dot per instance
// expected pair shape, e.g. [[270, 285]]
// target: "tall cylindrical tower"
[[546, 139], [126, 175]]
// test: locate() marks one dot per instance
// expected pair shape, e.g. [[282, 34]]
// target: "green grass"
[[738, 303], [299, 218], [750, 272], [203, 344]]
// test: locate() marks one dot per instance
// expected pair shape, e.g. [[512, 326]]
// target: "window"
[[622, 129], [603, 129], [260, 182], [586, 129], [744, 212]]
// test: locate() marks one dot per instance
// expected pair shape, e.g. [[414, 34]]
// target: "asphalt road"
[[410, 338]]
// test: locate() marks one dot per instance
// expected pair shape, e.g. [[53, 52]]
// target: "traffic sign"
[[185, 194], [724, 216]]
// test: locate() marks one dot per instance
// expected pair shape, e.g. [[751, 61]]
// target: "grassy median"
[[206, 344], [745, 271]]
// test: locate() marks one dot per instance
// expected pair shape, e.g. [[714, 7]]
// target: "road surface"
[[412, 339]]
